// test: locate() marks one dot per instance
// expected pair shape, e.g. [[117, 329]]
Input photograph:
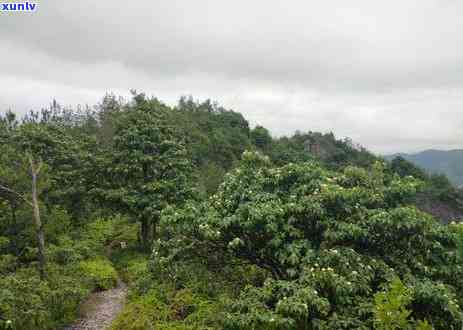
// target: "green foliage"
[[32, 304], [287, 150], [423, 325], [98, 237], [188, 297], [162, 308], [261, 138], [103, 234], [4, 242], [403, 167], [329, 241], [391, 307], [146, 167], [101, 273], [72, 276], [457, 229], [439, 197], [446, 162], [332, 152], [214, 134], [210, 178], [441, 188], [132, 265], [215, 138], [307, 235], [8, 263], [57, 223]]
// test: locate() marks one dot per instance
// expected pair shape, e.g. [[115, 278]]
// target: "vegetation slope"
[[216, 225]]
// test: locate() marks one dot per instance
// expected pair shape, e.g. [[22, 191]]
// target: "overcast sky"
[[388, 74]]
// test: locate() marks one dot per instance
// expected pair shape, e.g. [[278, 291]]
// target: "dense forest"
[[214, 224]]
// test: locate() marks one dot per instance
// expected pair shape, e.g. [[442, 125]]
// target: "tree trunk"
[[146, 235], [35, 169]]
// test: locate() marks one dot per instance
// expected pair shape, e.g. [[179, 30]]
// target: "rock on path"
[[101, 309]]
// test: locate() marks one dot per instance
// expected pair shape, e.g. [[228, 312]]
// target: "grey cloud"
[[388, 75]]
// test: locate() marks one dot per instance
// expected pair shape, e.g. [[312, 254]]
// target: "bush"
[[8, 263], [32, 304], [391, 311], [4, 243], [457, 229], [143, 312], [64, 252], [131, 264], [164, 308], [102, 274], [189, 300], [328, 241]]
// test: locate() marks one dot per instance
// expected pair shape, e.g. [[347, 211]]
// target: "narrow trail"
[[101, 309]]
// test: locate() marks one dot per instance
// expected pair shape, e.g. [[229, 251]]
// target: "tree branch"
[[18, 195]]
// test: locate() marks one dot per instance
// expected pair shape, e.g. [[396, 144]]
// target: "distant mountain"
[[448, 162]]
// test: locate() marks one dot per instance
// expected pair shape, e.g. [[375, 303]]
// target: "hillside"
[[448, 162], [213, 224]]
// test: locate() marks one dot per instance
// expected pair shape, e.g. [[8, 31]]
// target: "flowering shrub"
[[329, 242]]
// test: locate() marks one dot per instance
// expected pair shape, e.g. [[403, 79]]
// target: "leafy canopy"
[[328, 240]]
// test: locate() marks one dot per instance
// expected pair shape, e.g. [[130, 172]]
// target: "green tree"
[[30, 145], [261, 138], [403, 167], [147, 167], [328, 240], [40, 167]]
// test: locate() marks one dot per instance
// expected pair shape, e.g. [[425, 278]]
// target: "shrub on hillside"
[[32, 304], [329, 242], [101, 273], [168, 309]]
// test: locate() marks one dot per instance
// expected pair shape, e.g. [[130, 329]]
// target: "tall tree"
[[147, 167], [28, 144], [40, 166]]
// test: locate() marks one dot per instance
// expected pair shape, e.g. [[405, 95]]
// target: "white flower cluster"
[[208, 231], [457, 223], [235, 243], [204, 226], [454, 303], [328, 269]]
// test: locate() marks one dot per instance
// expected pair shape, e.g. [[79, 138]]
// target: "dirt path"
[[101, 309]]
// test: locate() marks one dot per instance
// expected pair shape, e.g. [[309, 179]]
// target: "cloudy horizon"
[[390, 77]]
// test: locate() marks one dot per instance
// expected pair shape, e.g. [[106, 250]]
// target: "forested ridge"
[[447, 162], [216, 225]]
